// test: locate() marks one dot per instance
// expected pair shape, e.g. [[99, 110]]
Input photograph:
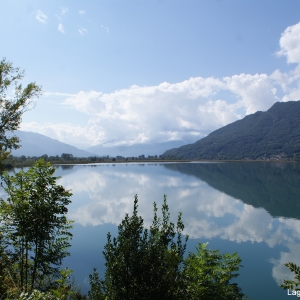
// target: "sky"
[[137, 71]]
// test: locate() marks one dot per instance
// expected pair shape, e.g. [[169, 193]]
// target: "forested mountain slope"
[[262, 135]]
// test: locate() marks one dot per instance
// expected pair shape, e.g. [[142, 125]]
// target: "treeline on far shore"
[[67, 158]]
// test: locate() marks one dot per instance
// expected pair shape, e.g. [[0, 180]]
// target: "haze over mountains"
[[35, 144], [135, 150], [262, 135]]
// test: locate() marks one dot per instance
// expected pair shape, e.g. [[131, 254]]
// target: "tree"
[[34, 225], [67, 156], [208, 274], [150, 264], [141, 263], [12, 108]]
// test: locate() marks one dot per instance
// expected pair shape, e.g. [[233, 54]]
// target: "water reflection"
[[207, 212], [252, 204], [66, 167], [273, 186]]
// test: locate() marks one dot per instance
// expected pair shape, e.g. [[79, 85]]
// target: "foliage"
[[141, 263], [292, 284], [208, 274], [35, 227], [12, 108], [274, 134], [149, 264], [98, 287], [65, 290], [34, 295]]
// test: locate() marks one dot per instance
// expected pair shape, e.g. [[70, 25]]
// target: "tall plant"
[[208, 274], [34, 223], [141, 263], [150, 264]]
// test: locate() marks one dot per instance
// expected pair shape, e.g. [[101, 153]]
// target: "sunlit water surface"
[[249, 208]]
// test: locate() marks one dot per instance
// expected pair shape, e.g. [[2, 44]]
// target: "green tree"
[[150, 264], [293, 284], [34, 225], [12, 108], [67, 156], [141, 263], [208, 274]]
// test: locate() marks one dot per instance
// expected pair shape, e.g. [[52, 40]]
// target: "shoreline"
[[160, 161]]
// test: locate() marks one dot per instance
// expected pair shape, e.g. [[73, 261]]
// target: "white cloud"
[[279, 271], [290, 44], [41, 17], [81, 137], [64, 10], [81, 12], [256, 91], [105, 28], [61, 28], [82, 30], [172, 111]]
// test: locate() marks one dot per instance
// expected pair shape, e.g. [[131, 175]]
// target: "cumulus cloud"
[[81, 12], [61, 28], [256, 91], [41, 17], [290, 44], [179, 111]]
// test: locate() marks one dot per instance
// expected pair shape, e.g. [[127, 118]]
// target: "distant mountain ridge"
[[135, 150], [35, 144], [262, 135]]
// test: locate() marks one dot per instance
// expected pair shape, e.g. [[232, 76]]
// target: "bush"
[[150, 264]]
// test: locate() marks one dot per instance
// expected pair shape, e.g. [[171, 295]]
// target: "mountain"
[[135, 150], [262, 135], [35, 144]]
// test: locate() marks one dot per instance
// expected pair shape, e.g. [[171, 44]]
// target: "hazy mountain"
[[275, 132], [35, 144], [135, 150]]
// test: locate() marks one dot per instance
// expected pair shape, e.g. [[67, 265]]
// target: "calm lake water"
[[249, 208]]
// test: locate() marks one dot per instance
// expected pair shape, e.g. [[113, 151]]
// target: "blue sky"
[[128, 72]]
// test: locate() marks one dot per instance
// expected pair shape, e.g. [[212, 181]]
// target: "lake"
[[252, 208]]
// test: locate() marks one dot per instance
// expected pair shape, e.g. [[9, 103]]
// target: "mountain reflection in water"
[[272, 186]]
